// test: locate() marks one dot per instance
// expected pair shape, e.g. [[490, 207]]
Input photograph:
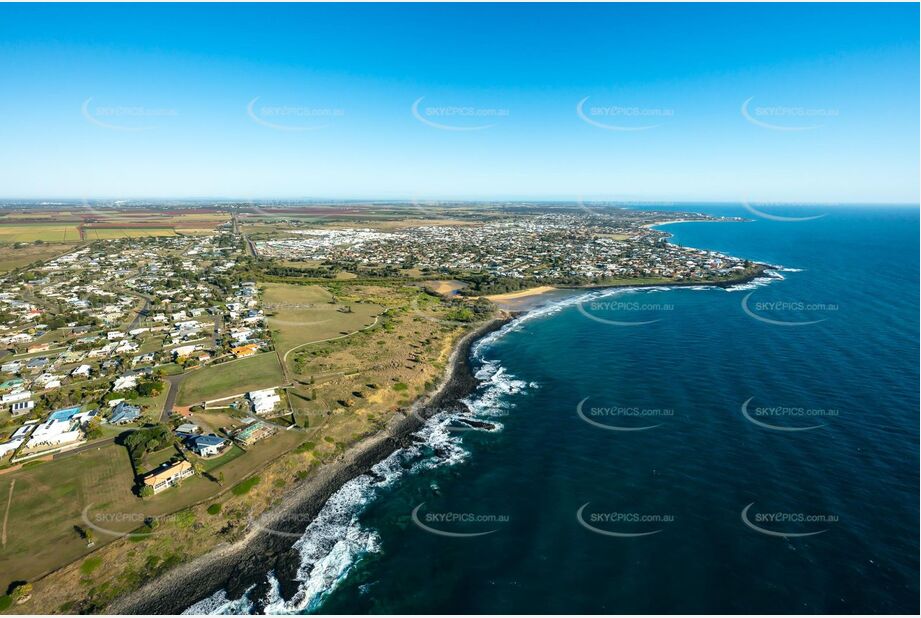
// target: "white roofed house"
[[17, 395], [264, 401], [184, 351], [62, 427], [126, 347], [18, 437], [11, 367], [125, 383]]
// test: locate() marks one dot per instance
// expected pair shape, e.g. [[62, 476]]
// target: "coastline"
[[268, 546], [242, 566], [532, 297]]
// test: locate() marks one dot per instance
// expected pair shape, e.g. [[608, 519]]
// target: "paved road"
[[218, 325], [85, 447], [141, 314], [174, 383]]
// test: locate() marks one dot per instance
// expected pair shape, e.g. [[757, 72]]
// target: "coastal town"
[[196, 373], [93, 338], [575, 247]]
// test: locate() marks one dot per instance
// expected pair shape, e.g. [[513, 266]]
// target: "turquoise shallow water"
[[707, 510]]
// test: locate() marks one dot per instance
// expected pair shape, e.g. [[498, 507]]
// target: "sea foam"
[[335, 540]]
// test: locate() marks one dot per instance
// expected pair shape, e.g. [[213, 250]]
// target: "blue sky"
[[626, 102]]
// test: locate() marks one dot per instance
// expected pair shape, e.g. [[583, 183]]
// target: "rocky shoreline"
[[268, 546]]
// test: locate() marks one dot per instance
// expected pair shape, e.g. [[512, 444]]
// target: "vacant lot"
[[47, 502], [301, 314], [225, 379], [93, 490], [17, 257], [30, 232]]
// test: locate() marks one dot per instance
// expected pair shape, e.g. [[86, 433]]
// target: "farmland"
[[30, 232], [87, 223]]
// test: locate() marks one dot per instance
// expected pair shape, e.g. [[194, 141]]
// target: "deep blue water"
[[853, 375]]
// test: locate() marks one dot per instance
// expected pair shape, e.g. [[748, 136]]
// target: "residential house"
[[206, 446], [125, 382], [14, 396], [124, 413], [83, 371], [21, 407], [253, 433], [168, 476], [264, 401], [245, 350], [11, 367]]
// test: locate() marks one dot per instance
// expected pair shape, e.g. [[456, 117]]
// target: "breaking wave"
[[335, 540]]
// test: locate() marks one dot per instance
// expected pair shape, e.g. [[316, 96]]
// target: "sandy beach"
[[521, 300]]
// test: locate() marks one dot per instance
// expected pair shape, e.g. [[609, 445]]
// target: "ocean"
[[663, 450]]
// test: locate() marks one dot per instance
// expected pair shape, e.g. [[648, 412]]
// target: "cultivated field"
[[109, 233], [30, 232]]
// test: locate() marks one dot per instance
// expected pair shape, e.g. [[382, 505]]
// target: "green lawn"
[[255, 372], [211, 464]]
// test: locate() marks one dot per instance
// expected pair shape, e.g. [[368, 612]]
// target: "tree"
[[21, 592], [93, 429], [147, 491]]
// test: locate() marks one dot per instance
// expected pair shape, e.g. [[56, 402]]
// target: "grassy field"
[[299, 314], [47, 502], [17, 257], [109, 233], [260, 371], [30, 232], [50, 498]]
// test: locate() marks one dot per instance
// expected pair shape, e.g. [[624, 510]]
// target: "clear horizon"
[[784, 104]]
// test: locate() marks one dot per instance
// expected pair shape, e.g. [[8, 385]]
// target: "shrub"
[[90, 564], [214, 509], [244, 487], [400, 386]]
